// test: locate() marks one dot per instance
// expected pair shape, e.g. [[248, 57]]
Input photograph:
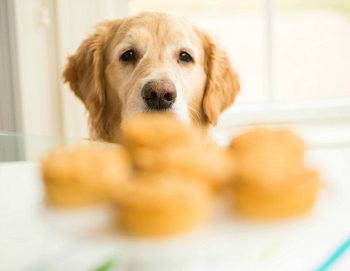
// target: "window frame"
[[293, 113]]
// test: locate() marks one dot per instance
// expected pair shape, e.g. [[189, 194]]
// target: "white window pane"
[[312, 56]]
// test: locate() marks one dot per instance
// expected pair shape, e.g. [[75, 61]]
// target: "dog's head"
[[150, 62]]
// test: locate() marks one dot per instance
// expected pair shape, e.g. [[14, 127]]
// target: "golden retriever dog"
[[150, 62]]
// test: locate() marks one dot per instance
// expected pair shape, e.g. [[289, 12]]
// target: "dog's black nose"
[[159, 95]]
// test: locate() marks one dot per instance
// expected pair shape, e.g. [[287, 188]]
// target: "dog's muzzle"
[[159, 94]]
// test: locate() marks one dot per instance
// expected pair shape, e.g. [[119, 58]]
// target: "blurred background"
[[293, 57]]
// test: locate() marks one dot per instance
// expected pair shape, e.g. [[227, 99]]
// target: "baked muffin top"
[[266, 156], [87, 164], [158, 130], [161, 191]]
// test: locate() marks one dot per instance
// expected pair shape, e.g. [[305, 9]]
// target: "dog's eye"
[[128, 56], [185, 57]]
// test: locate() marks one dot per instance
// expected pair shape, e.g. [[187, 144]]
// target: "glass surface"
[[24, 147]]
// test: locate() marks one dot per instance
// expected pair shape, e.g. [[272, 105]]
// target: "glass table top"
[[29, 147]]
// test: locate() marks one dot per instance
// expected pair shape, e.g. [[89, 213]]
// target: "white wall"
[[47, 31], [37, 70], [75, 19]]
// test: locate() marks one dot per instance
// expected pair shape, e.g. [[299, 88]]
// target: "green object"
[[268, 251], [108, 265]]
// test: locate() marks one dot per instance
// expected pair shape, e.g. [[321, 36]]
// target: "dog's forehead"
[[159, 26]]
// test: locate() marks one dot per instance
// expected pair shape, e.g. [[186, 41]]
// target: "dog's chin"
[[161, 110], [181, 114]]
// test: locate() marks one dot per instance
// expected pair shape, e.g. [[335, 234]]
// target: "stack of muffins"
[[164, 177], [176, 176]]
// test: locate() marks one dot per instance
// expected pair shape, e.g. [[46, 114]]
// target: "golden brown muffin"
[[272, 180], [161, 205], [267, 154], [295, 195], [158, 131], [205, 164], [80, 176], [159, 142]]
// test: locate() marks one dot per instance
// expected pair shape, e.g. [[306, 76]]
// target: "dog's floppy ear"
[[84, 72], [222, 83]]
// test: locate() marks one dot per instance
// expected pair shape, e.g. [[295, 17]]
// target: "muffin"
[[155, 205], [158, 131], [80, 176], [271, 178], [295, 195], [206, 165], [267, 153], [160, 143]]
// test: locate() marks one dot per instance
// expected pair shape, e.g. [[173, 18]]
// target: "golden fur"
[[110, 89]]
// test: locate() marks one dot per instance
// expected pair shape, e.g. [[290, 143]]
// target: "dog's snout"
[[159, 95]]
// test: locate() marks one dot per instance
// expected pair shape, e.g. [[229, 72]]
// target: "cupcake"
[[271, 178], [80, 176], [160, 143], [158, 131], [155, 205], [294, 195]]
